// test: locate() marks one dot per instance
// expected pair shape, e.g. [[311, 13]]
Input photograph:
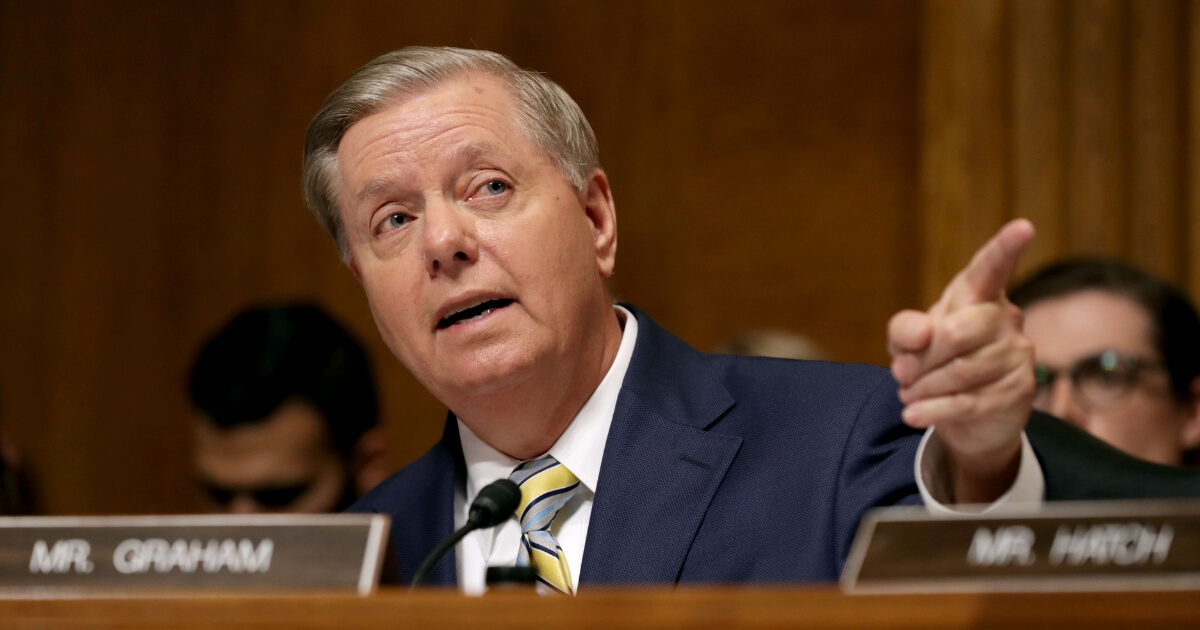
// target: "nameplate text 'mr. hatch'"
[[1119, 545]]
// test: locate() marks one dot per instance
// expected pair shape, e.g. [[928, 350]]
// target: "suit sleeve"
[[877, 465]]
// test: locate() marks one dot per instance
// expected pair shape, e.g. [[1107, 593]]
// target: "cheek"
[[326, 491], [1168, 417], [1114, 427], [1146, 420], [563, 249], [394, 298]]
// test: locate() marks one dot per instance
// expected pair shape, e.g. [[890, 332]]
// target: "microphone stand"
[[495, 503]]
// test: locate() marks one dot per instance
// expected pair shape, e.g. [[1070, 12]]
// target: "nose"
[[244, 504], [1064, 404], [448, 238]]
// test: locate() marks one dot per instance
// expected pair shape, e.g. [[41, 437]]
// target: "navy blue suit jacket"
[[718, 469]]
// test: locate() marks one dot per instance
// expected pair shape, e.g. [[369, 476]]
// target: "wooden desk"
[[645, 608]]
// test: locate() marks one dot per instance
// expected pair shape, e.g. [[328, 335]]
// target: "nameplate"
[[1125, 545], [113, 555]]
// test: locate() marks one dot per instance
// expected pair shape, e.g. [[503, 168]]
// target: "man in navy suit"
[[466, 196]]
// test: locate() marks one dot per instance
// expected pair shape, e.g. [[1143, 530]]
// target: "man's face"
[[483, 266], [1130, 409], [284, 463]]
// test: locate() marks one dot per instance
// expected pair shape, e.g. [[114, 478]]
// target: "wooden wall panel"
[[1191, 74], [763, 156], [965, 142], [1156, 156], [1098, 149], [1039, 124], [779, 215], [1103, 94]]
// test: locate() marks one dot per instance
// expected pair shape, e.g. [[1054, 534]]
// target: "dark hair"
[[1175, 325], [271, 354]]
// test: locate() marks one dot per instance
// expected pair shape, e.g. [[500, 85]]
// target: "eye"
[[394, 221], [1110, 378], [219, 495], [1106, 371], [492, 188], [1043, 376]]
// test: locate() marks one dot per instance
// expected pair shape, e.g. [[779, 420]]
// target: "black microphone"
[[495, 503]]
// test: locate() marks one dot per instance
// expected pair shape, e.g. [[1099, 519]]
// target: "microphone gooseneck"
[[495, 503], [492, 506]]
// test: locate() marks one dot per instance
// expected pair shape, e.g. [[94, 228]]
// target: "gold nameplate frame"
[[114, 555]]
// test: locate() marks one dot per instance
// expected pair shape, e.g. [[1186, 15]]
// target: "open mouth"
[[472, 312]]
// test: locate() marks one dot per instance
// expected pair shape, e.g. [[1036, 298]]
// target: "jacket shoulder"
[[799, 379], [413, 486]]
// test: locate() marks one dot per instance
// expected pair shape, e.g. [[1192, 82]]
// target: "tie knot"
[[546, 486]]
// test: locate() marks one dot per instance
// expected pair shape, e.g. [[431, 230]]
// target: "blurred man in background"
[[772, 342], [286, 414], [1118, 353], [16, 499]]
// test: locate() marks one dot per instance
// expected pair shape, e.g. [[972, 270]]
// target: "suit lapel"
[[426, 516], [661, 465]]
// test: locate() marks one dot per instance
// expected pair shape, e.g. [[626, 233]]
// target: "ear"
[[602, 215], [371, 463], [348, 260], [1190, 430]]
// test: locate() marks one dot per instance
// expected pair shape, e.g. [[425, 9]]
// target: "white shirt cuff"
[[934, 483]]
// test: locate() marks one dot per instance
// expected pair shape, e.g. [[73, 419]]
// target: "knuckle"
[[957, 330], [960, 369], [1023, 348], [1026, 385], [993, 318], [1015, 314], [900, 363], [966, 405]]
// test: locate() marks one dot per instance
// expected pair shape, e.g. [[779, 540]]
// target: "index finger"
[[986, 275]]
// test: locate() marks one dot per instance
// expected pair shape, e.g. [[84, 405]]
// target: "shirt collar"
[[581, 447]]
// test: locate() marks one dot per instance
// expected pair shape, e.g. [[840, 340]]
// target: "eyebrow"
[[468, 153], [370, 187]]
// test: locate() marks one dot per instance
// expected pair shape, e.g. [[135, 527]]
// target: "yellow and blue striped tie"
[[546, 486]]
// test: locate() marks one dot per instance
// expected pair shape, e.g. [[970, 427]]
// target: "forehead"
[[1068, 328], [475, 107], [286, 443]]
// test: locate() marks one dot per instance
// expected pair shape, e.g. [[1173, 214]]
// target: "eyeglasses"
[[270, 498], [1100, 381]]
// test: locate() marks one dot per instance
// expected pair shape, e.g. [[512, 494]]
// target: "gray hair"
[[545, 113]]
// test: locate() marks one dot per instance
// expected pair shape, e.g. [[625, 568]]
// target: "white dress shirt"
[[933, 480], [581, 447]]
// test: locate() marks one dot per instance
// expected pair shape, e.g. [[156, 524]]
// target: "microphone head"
[[495, 503]]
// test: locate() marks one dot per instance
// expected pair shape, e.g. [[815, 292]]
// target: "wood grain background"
[[802, 164]]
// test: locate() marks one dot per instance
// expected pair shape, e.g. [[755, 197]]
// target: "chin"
[[490, 374]]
